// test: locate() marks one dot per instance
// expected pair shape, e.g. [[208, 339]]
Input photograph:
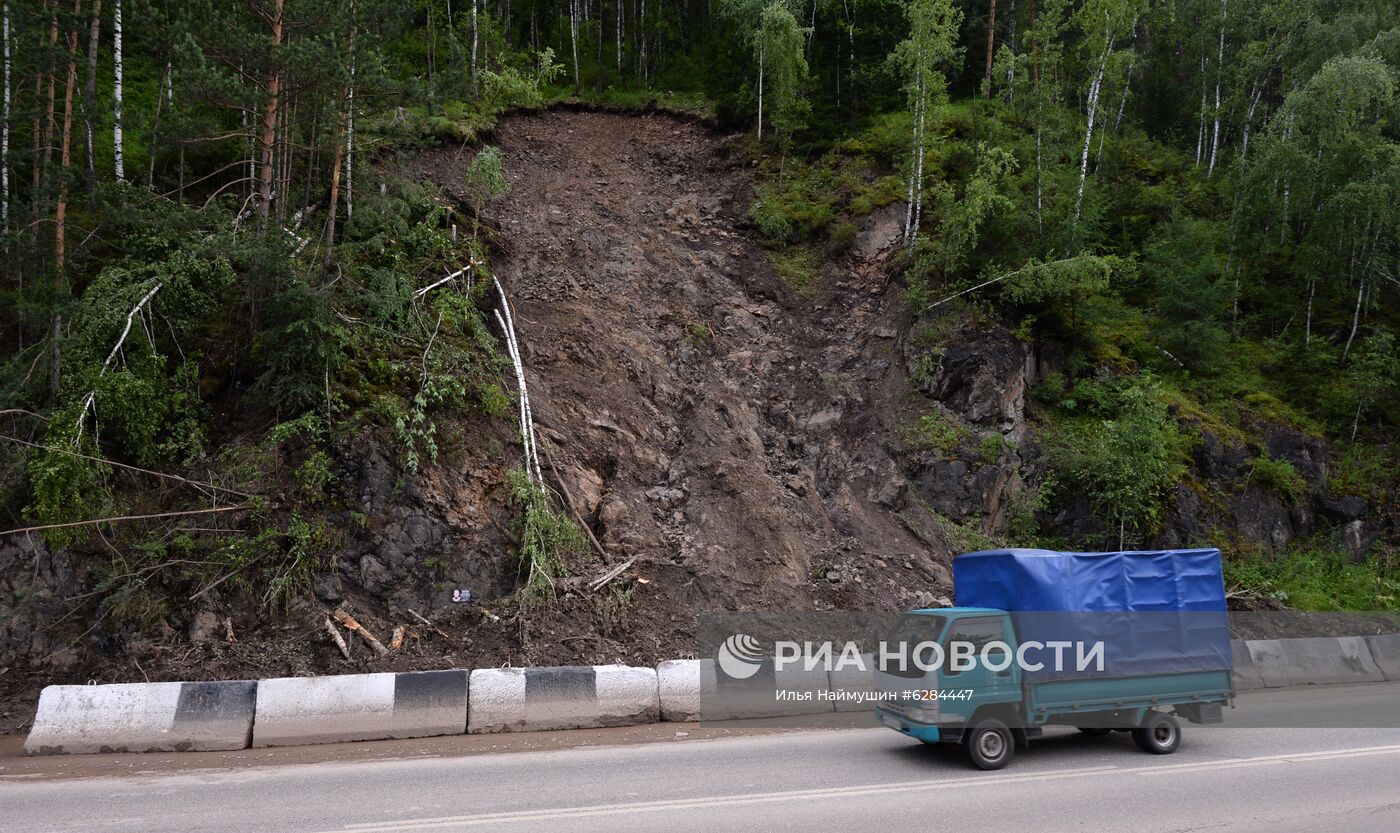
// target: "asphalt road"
[[854, 779]]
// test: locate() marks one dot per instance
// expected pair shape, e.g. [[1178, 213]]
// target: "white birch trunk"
[[1219, 63], [350, 146], [89, 94], [919, 174], [118, 162], [760, 89], [1091, 111], [1355, 319], [1201, 119], [527, 421], [618, 17], [1307, 330], [1248, 118], [5, 123], [573, 32], [474, 43]]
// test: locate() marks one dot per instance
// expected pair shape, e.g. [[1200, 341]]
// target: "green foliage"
[[304, 346], [1060, 281], [961, 214], [781, 48], [1278, 476], [796, 265], [1027, 503], [508, 87], [937, 431], [485, 178], [547, 539], [1374, 375], [1125, 454], [1183, 264], [1313, 575]]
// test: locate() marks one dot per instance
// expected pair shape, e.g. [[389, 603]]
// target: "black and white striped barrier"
[[299, 710], [216, 716], [143, 717], [570, 697]]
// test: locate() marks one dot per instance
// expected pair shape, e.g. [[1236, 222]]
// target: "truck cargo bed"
[[1062, 697]]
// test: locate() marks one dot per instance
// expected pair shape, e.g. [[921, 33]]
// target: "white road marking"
[[744, 799]]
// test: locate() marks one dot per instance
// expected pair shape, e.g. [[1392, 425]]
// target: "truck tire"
[[1159, 734], [990, 744]]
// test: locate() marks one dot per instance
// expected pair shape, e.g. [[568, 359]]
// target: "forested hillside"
[[808, 295]]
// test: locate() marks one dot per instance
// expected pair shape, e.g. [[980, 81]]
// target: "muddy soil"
[[726, 429], [738, 437]]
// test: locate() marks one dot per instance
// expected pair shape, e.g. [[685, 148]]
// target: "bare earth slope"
[[724, 427], [734, 434]]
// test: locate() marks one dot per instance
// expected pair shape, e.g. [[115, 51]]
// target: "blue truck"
[[1109, 641]]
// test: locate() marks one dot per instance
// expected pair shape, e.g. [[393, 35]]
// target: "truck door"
[[1000, 681]]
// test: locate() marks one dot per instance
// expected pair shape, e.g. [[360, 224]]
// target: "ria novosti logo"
[[740, 656]]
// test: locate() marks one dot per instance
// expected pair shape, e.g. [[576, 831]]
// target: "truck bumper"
[[919, 731]]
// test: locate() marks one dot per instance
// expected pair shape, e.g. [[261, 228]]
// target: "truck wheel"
[[1159, 734], [990, 745]]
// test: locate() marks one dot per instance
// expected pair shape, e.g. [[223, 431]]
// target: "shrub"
[[1278, 476], [547, 538], [1125, 464]]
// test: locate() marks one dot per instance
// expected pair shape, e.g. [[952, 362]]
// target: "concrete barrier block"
[[569, 697], [1385, 651], [1316, 661], [678, 683], [854, 689], [1246, 676], [767, 692], [143, 717], [354, 707]]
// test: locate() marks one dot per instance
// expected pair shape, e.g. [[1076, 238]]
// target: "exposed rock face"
[[983, 378], [34, 584]]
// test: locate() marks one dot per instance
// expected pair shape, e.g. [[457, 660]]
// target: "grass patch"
[[1312, 576]]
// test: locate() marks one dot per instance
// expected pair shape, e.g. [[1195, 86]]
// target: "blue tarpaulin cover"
[[1156, 612]]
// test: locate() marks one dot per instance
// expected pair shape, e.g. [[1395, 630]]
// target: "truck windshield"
[[911, 631]]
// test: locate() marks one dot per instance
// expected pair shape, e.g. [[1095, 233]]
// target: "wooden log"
[[336, 637], [349, 622]]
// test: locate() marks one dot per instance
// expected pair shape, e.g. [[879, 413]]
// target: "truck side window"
[[979, 632]]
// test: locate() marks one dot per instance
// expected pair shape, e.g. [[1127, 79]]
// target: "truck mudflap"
[[1202, 713]]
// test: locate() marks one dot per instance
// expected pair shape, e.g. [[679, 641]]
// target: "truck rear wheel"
[[1159, 734], [990, 744]]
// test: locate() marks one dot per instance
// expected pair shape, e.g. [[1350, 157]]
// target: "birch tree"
[[1328, 146], [118, 152], [1219, 72], [782, 63], [1103, 23], [933, 28], [89, 101], [5, 123], [573, 36]]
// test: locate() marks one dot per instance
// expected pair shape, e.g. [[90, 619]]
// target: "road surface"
[[814, 780]]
